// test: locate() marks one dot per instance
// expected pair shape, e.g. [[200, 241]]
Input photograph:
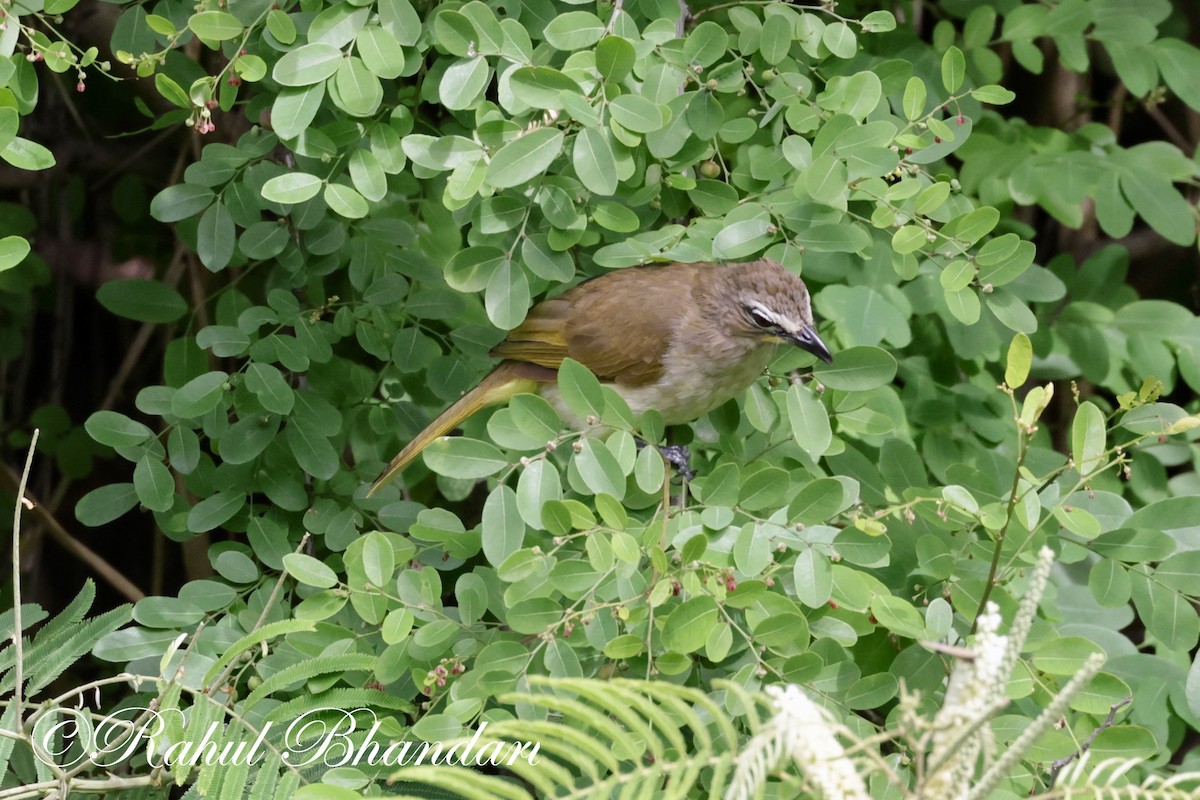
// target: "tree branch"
[[1058, 765], [106, 571]]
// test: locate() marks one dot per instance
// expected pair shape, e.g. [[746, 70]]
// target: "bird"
[[679, 338]]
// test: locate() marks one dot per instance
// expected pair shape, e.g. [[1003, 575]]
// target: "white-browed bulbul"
[[682, 339]]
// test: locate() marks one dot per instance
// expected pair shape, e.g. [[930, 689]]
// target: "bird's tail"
[[507, 379]]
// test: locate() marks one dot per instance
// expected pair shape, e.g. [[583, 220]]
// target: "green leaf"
[[687, 627], [898, 616], [153, 483], [825, 181], [879, 22], [143, 300], [199, 395], [269, 386], [594, 161], [225, 341], [742, 237], [974, 225], [580, 389], [295, 108], [525, 158], [542, 87], [172, 92], [909, 239], [13, 250], [1064, 655], [1109, 583], [503, 526], [291, 188], [957, 275], [813, 576], [573, 30], [1088, 438], [993, 95], [213, 512], [915, 96], [615, 58], [964, 305], [247, 438], [464, 82], [359, 93], [534, 616], [857, 369], [775, 42], [116, 430], [281, 26], [461, 457], [10, 121], [215, 26], [507, 296], [539, 484], [809, 421], [600, 470], [27, 155], [954, 68], [639, 114], [105, 504], [872, 691], [345, 201], [840, 39], [1192, 686], [1179, 63], [623, 647], [378, 558], [310, 571], [1078, 521], [307, 64], [1020, 358], [216, 237], [1160, 204]]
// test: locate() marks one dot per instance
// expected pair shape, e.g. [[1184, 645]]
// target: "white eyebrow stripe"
[[782, 321]]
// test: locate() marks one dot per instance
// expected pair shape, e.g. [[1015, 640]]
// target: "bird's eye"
[[760, 319]]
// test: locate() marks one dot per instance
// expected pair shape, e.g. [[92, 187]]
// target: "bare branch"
[[1058, 765]]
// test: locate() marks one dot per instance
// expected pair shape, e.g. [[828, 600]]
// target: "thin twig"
[[618, 6], [685, 14], [1058, 765], [1022, 449], [104, 570], [1168, 127], [18, 644]]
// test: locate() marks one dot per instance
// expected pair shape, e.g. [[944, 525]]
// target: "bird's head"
[[772, 305]]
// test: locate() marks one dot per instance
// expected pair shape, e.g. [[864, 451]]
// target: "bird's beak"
[[807, 339]]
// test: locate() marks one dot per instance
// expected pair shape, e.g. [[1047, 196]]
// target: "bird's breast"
[[691, 384]]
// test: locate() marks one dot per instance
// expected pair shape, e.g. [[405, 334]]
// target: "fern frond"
[[1109, 779], [287, 787], [233, 782], [53, 633], [31, 614], [266, 778], [619, 738], [467, 784], [339, 698], [310, 668], [268, 631], [52, 660], [8, 722]]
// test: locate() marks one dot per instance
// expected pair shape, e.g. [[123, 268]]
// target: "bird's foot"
[[679, 457]]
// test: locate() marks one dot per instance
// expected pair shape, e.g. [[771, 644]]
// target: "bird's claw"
[[679, 457]]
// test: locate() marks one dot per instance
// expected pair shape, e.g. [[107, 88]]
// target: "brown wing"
[[618, 325]]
